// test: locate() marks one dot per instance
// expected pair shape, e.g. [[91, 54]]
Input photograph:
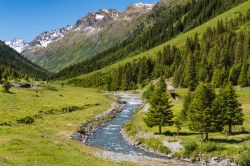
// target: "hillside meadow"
[[47, 140]]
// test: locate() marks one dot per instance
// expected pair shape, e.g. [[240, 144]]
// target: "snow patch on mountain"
[[144, 5], [17, 44], [141, 6], [45, 38], [96, 20]]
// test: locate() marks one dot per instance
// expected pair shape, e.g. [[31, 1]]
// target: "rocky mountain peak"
[[49, 36], [140, 6], [97, 19], [17, 44]]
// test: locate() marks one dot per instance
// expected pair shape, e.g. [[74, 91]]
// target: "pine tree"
[[186, 104], [243, 79], [200, 113], [234, 74], [148, 92], [228, 105], [160, 113], [190, 73]]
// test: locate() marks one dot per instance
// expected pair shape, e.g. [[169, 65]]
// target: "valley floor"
[[36, 125]]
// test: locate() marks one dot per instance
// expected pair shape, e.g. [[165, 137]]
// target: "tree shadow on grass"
[[168, 133], [240, 132], [229, 141], [12, 93]]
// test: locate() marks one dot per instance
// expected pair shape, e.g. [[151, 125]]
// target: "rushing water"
[[109, 138]]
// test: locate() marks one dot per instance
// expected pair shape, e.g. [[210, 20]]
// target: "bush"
[[49, 87], [26, 120], [190, 147], [210, 147], [6, 87]]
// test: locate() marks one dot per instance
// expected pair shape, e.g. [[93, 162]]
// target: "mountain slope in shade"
[[90, 35], [11, 58]]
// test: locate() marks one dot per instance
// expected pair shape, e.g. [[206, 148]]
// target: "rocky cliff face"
[[50, 36]]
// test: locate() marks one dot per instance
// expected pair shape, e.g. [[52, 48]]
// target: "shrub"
[[26, 120], [49, 87], [6, 87], [190, 147], [210, 147]]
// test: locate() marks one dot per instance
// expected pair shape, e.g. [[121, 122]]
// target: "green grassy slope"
[[179, 41], [47, 141]]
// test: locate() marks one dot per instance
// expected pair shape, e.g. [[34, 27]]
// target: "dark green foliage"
[[6, 87], [148, 92], [160, 113], [243, 78], [15, 65], [210, 147], [26, 120], [228, 107], [201, 116], [186, 104], [190, 147]]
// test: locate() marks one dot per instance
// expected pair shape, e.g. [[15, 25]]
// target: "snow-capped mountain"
[[17, 44], [89, 24], [97, 20], [50, 36], [142, 6], [90, 35]]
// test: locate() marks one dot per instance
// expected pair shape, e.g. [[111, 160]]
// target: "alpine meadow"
[[144, 82]]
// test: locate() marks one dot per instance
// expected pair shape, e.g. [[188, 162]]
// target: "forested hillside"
[[163, 24], [221, 55], [16, 66]]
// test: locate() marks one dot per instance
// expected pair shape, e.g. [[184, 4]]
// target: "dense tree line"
[[221, 55], [15, 65], [163, 24]]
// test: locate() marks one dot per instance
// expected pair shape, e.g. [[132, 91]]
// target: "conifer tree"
[[243, 79], [190, 73], [226, 103], [200, 113], [160, 113], [186, 104]]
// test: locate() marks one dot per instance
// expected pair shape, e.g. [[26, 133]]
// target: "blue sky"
[[27, 18]]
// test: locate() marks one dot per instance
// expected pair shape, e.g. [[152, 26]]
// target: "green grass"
[[226, 146], [179, 40], [47, 141]]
